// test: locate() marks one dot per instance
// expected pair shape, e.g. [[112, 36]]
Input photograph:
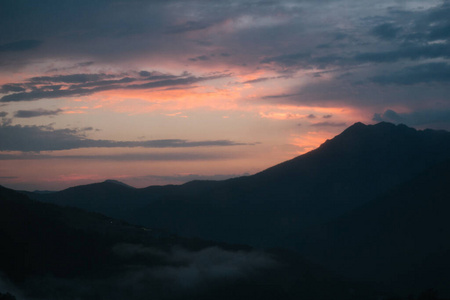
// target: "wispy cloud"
[[46, 138], [57, 86], [172, 156]]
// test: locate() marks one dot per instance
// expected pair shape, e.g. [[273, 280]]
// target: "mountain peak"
[[382, 131], [359, 127]]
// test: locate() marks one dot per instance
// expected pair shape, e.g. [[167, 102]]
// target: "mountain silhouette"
[[267, 208], [401, 237]]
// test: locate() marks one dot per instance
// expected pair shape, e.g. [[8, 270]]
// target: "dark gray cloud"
[[36, 113], [299, 59], [424, 73], [87, 84], [327, 116], [386, 31], [46, 138], [329, 124], [14, 87], [437, 118], [73, 78], [22, 45], [408, 52], [200, 58], [3, 114], [406, 48], [43, 94], [405, 52], [75, 66], [183, 81]]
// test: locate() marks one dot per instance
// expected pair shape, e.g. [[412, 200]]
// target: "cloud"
[[6, 88], [187, 269], [410, 52], [327, 116], [3, 114], [86, 84], [299, 58], [424, 73], [187, 27], [73, 78], [328, 124], [22, 45], [437, 117], [211, 265], [386, 31], [46, 138], [280, 96], [259, 80], [151, 273], [200, 58], [167, 156], [388, 116], [75, 66], [36, 113]]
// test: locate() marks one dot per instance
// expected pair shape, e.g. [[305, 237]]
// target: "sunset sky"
[[167, 91]]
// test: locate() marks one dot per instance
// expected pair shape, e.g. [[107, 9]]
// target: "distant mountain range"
[[370, 204]]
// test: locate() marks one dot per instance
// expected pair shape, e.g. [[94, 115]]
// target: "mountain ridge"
[[263, 209]]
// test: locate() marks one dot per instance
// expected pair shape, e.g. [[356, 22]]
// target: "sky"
[[164, 92]]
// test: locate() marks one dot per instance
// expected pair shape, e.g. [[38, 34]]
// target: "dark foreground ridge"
[[51, 252]]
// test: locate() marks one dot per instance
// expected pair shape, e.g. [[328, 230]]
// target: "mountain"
[[52, 252], [116, 199], [401, 238], [267, 208]]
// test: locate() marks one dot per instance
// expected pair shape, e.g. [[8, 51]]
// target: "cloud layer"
[[59, 86], [46, 138]]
